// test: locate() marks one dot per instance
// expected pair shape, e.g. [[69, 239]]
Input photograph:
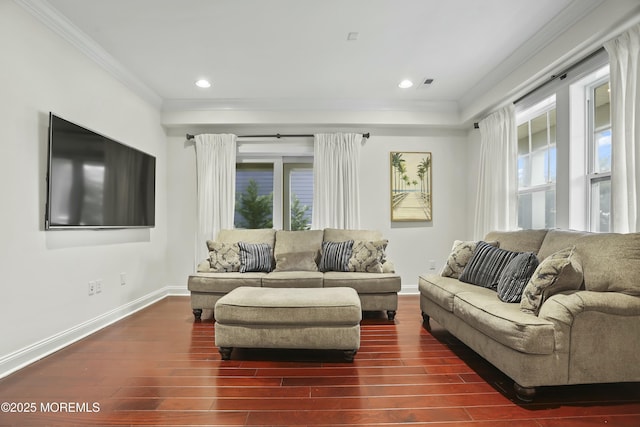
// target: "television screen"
[[96, 182]]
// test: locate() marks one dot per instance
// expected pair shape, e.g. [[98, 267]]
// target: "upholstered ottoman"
[[289, 318]]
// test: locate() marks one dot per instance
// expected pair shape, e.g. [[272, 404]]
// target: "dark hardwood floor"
[[157, 367]]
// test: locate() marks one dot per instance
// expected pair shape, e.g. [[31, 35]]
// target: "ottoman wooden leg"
[[225, 352], [349, 355], [391, 314], [197, 313]]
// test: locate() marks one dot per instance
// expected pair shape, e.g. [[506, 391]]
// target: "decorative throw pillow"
[[336, 255], [255, 257], [367, 256], [515, 277], [486, 265], [296, 261], [561, 271], [224, 257], [459, 257]]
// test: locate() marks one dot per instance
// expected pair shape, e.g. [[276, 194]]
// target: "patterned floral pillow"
[[561, 271], [461, 253], [224, 257], [368, 257]]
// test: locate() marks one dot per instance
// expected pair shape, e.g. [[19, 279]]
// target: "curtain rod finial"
[[189, 136]]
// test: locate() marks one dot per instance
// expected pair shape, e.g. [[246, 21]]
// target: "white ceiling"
[[296, 51]]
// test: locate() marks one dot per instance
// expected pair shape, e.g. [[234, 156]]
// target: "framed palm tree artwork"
[[411, 193]]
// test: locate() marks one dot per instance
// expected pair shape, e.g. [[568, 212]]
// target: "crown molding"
[[568, 17], [255, 104], [58, 23]]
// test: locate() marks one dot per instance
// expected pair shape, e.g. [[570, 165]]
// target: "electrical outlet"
[[432, 264], [98, 286], [123, 279], [92, 288]]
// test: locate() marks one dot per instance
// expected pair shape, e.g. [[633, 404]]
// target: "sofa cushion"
[[296, 261], [515, 277], [556, 240], [486, 265], [223, 282], [260, 235], [223, 257], [505, 323], [364, 283], [611, 262], [335, 256], [293, 279], [255, 257], [442, 290], [341, 235], [367, 257], [298, 241], [558, 272], [459, 257], [519, 241]]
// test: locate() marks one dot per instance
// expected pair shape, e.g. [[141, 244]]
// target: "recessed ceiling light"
[[203, 83], [405, 84]]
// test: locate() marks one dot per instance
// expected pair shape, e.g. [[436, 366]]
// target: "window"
[[274, 185], [537, 166], [599, 151]]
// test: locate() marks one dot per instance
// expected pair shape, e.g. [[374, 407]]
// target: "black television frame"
[[150, 206]]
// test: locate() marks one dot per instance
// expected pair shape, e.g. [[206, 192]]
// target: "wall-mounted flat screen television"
[[96, 182]]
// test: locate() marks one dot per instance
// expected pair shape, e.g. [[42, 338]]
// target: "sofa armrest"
[[599, 332], [204, 267], [588, 310], [565, 307]]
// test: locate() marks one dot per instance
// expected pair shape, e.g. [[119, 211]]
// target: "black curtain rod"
[[562, 74], [278, 135]]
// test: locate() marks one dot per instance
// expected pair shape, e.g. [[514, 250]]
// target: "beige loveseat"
[[586, 330], [295, 257]]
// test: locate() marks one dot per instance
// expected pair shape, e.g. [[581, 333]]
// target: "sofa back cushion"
[[298, 250], [519, 241], [298, 241], [611, 262], [340, 235], [261, 235], [556, 240]]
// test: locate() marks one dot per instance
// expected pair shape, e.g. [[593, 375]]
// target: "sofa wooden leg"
[[349, 355], [391, 314], [197, 313], [525, 394], [225, 352]]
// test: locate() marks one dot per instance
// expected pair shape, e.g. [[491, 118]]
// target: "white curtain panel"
[[497, 195], [624, 59], [336, 172], [216, 173]]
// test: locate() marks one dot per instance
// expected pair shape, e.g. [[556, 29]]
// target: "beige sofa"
[[295, 259], [588, 334]]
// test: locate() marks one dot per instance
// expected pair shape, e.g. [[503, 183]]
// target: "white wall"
[[45, 274], [411, 245]]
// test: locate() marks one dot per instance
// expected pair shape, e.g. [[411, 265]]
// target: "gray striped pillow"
[[515, 276], [255, 257], [336, 255], [486, 265]]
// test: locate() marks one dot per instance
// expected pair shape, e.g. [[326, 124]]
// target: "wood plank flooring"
[[157, 367]]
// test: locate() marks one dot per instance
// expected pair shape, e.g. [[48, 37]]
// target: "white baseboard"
[[177, 290], [34, 352], [409, 289]]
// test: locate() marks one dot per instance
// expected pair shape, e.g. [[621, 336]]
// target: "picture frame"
[[411, 186]]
